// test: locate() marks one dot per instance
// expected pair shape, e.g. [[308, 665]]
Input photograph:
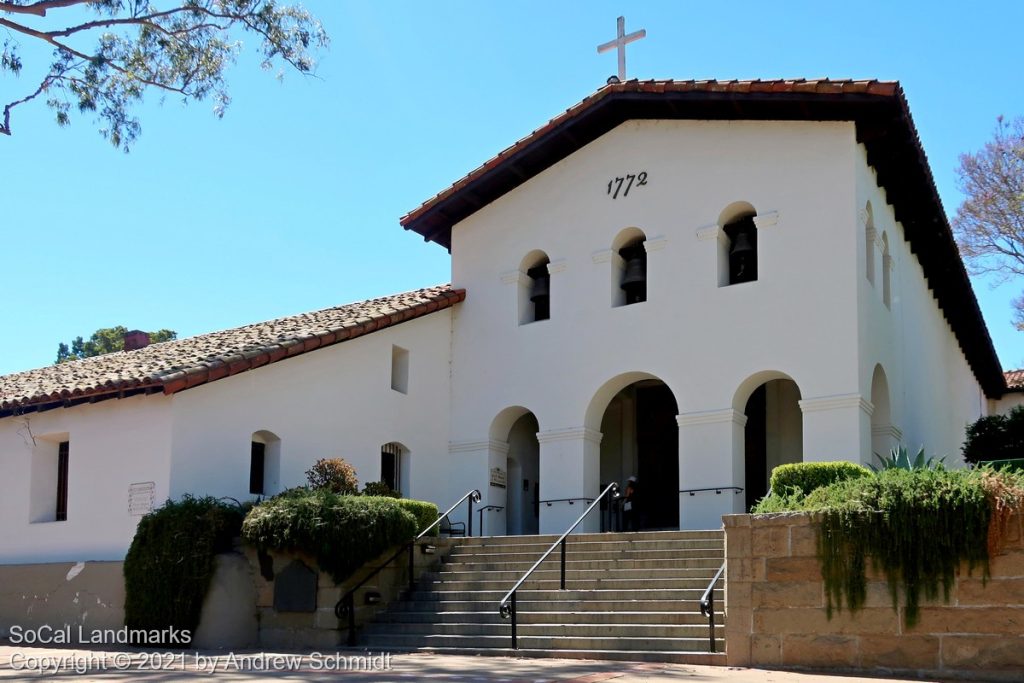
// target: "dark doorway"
[[756, 449], [657, 441], [773, 435]]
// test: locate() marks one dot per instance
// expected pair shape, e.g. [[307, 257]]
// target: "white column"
[[570, 467], [710, 457], [472, 462], [837, 428]]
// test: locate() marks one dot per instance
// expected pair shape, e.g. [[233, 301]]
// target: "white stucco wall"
[[933, 393], [329, 403], [112, 444], [712, 345]]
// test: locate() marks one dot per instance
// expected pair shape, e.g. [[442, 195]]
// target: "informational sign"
[[141, 498], [499, 478]]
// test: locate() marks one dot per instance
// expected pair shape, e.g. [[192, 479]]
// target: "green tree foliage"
[[108, 53], [989, 225], [995, 437], [104, 340]]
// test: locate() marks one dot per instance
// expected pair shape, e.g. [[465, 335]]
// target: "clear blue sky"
[[291, 202]]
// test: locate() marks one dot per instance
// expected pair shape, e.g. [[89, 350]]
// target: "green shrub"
[[333, 474], [171, 560], [917, 526], [424, 512], [380, 488], [341, 532], [995, 437], [808, 476]]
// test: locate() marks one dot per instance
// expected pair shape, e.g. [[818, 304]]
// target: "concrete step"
[[579, 545], [628, 555], [700, 657], [609, 631], [696, 581], [539, 606], [491, 616], [442, 593], [391, 641], [548, 539], [513, 572]]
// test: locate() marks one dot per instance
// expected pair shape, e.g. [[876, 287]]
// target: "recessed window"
[[535, 288], [629, 268], [50, 479], [869, 245], [257, 467], [264, 463], [886, 272], [394, 467], [741, 242], [399, 369]]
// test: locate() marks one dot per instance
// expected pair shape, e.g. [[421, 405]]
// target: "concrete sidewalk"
[[33, 663]]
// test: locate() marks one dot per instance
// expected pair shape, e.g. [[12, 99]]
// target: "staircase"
[[629, 596]]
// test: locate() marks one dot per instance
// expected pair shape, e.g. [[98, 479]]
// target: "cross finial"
[[620, 42]]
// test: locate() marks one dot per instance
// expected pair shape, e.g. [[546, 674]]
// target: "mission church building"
[[687, 281]]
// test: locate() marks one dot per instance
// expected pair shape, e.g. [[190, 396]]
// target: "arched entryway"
[[881, 415], [773, 434], [518, 427], [640, 437]]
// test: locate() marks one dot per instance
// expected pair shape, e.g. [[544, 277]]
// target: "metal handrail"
[[480, 511], [707, 607], [570, 501], [737, 490], [346, 604], [507, 606]]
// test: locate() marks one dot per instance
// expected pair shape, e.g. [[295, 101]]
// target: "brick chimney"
[[135, 339]]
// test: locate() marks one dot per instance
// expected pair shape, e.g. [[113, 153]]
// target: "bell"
[[636, 272], [741, 246], [541, 288], [742, 259]]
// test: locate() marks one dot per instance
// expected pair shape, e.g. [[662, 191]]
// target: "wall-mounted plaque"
[[141, 498], [499, 478]]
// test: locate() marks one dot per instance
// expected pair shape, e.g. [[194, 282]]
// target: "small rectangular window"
[[257, 465], [399, 369], [63, 450]]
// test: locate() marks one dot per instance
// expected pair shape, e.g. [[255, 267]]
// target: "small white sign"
[[141, 498], [499, 478]]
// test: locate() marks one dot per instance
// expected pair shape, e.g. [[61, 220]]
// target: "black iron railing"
[[346, 608], [487, 508], [507, 606], [717, 489], [707, 607]]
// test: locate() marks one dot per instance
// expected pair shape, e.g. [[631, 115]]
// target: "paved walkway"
[[24, 663]]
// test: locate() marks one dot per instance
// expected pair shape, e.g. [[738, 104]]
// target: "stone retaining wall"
[[775, 606]]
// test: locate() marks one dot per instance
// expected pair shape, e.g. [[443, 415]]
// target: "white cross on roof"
[[620, 42]]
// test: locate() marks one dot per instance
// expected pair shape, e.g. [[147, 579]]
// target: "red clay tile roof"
[[173, 366], [1015, 380], [883, 124]]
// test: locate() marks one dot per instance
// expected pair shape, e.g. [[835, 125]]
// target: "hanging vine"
[[915, 527]]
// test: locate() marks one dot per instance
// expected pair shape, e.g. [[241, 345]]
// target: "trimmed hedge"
[[171, 560], [424, 512], [341, 532], [808, 476], [995, 437]]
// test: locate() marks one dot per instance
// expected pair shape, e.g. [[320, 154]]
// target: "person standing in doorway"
[[630, 509]]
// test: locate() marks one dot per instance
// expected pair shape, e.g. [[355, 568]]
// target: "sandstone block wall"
[[775, 606]]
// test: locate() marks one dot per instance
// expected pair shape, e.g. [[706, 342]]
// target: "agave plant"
[[899, 459]]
